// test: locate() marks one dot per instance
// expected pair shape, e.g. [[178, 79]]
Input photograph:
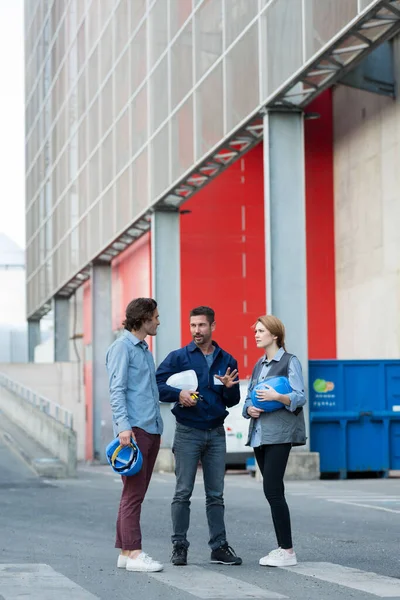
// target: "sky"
[[12, 168]]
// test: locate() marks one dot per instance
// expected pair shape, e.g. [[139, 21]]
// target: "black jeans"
[[272, 460]]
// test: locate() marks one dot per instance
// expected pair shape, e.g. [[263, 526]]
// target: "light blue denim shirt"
[[132, 383], [297, 397]]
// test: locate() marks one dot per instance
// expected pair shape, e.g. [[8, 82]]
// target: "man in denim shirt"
[[136, 413], [200, 433]]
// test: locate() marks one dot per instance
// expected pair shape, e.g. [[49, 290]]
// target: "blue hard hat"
[[124, 460], [280, 384]]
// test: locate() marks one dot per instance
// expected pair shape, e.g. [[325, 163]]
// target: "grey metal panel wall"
[[122, 98]]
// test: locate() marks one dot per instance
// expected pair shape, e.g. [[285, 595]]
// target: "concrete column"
[[166, 289], [102, 337], [285, 231], [166, 280], [33, 338], [61, 329]]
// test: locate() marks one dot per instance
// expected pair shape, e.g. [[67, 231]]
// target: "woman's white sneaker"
[[143, 563], [122, 560], [270, 555], [279, 558]]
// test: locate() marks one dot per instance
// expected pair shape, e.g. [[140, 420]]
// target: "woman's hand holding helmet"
[[267, 394], [254, 412]]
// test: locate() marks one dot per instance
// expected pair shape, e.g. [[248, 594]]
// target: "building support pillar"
[[166, 280], [33, 338], [102, 337], [61, 329], [285, 232], [166, 290]]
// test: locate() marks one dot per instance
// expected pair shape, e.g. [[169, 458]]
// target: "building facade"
[[207, 152]]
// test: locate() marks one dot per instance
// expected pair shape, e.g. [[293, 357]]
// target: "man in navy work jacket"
[[200, 433]]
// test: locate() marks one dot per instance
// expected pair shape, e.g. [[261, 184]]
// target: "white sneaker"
[[143, 562], [121, 562], [269, 555], [279, 558]]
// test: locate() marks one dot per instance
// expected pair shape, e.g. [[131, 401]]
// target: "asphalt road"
[[57, 537]]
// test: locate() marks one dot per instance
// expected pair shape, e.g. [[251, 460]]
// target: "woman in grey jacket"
[[272, 434]]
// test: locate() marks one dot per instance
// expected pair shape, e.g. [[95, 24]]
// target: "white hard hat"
[[185, 380]]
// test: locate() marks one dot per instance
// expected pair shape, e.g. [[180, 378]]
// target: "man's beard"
[[200, 340]]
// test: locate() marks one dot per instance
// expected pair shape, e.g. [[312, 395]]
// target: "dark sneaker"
[[179, 555], [225, 555]]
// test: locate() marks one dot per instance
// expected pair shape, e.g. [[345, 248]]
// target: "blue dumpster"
[[355, 415]]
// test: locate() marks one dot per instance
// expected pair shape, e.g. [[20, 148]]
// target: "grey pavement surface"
[[57, 538]]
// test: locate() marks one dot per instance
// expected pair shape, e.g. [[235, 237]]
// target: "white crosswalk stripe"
[[38, 582], [41, 582], [204, 583], [364, 581]]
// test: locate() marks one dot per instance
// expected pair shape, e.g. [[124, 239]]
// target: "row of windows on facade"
[[129, 133], [130, 72]]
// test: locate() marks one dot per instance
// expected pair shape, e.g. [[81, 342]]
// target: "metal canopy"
[[375, 73], [343, 53]]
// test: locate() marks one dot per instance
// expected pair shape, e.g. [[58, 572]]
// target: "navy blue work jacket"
[[211, 411]]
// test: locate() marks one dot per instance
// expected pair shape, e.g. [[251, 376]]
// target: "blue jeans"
[[191, 446]]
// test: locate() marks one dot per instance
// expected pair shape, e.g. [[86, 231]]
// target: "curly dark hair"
[[205, 311], [137, 312]]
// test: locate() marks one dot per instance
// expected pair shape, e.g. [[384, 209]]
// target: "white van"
[[236, 428]]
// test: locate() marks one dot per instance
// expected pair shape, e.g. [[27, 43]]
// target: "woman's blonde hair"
[[274, 326]]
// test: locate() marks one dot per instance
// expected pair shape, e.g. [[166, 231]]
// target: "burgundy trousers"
[[129, 536]]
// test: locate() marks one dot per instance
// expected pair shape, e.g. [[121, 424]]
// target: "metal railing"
[[54, 410]]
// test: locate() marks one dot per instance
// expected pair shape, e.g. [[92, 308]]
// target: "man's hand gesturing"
[[229, 379]]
